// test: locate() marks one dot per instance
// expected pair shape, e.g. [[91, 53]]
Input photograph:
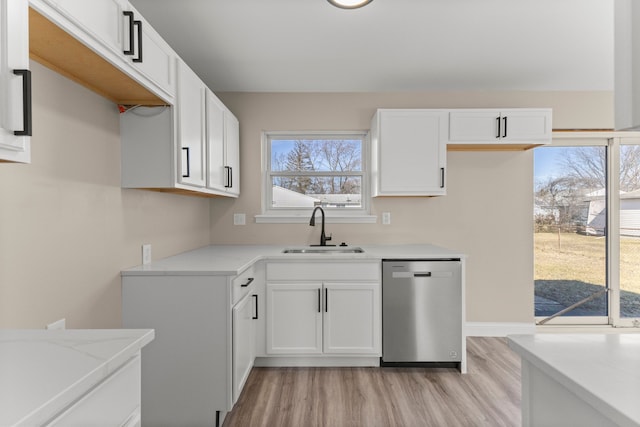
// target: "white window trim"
[[333, 215]]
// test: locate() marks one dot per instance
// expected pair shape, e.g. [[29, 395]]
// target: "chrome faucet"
[[312, 222]]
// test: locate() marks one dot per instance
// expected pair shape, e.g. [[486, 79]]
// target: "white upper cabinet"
[[147, 51], [15, 82], [223, 147], [116, 33], [507, 126], [232, 152], [408, 150], [191, 127], [191, 147], [102, 21]]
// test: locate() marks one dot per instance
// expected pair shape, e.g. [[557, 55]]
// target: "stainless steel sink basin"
[[324, 250]]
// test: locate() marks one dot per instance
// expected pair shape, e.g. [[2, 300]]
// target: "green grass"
[[570, 266]]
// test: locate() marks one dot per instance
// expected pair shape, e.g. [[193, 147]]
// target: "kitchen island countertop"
[[601, 370], [44, 371], [230, 260]]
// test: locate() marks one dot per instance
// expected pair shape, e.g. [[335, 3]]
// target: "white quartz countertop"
[[43, 371], [602, 369], [230, 260]]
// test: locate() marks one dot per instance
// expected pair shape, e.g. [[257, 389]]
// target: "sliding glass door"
[[629, 224], [587, 231], [570, 234]]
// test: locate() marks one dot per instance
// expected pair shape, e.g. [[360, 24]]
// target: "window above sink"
[[309, 169]]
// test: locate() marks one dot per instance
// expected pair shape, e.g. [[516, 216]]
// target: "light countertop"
[[43, 371], [601, 369], [230, 260]]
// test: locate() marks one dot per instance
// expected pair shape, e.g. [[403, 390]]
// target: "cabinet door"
[[474, 126], [151, 55], [411, 153], [232, 152], [216, 172], [501, 127], [244, 317], [15, 82], [102, 20], [294, 318], [191, 127], [526, 125], [352, 318]]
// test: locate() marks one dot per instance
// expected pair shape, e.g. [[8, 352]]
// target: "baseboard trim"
[[498, 329]]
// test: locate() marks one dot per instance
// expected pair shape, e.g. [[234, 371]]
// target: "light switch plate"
[[146, 254], [386, 218], [239, 219]]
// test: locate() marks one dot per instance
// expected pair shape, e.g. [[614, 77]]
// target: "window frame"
[[300, 215]]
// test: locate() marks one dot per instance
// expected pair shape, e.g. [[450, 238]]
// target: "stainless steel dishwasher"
[[422, 312]]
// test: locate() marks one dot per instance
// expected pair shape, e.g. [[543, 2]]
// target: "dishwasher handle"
[[426, 274], [412, 274]]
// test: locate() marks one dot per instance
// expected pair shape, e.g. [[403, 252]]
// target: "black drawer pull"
[[249, 280]]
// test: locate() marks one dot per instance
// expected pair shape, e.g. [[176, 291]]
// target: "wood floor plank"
[[487, 396]]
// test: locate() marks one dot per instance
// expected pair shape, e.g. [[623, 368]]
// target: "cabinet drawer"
[[113, 402], [242, 283], [324, 271]]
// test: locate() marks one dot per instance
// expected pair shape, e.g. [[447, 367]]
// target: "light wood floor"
[[488, 395]]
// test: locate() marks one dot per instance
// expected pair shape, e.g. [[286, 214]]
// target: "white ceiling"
[[391, 45]]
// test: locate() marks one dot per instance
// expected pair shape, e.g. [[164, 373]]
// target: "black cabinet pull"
[[326, 300], [256, 297], [139, 25], [188, 168], [504, 134], [131, 49], [319, 301], [229, 182], [27, 119], [249, 280], [441, 177], [498, 120]]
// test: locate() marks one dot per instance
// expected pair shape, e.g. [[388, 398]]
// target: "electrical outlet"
[[58, 324], [146, 254], [239, 219], [386, 218]]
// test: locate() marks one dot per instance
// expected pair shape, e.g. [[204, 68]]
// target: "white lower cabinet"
[[245, 314], [294, 318], [114, 402], [205, 342], [319, 309], [351, 318]]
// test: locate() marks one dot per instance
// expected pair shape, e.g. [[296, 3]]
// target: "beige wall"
[[486, 213], [67, 229]]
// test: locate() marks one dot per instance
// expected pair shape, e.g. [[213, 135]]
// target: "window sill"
[[304, 219]]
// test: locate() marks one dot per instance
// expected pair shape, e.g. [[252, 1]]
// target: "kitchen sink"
[[324, 250]]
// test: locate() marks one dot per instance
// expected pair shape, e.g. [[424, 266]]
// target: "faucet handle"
[[328, 238]]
